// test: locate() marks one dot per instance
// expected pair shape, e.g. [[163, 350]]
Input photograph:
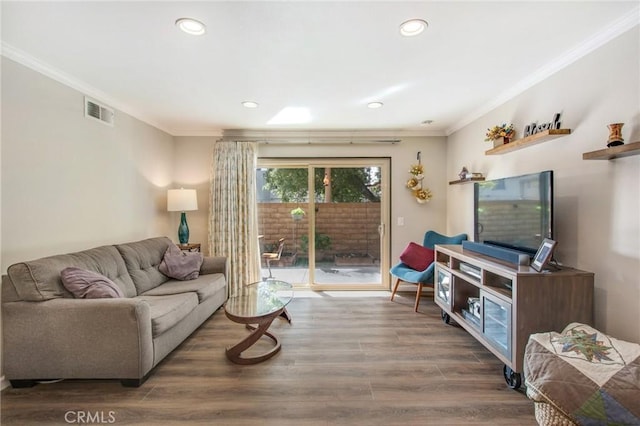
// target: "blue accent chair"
[[421, 278]]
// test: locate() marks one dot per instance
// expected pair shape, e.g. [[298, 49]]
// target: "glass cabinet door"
[[443, 286], [496, 315]]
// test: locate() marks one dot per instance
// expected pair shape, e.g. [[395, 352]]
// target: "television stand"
[[515, 301]]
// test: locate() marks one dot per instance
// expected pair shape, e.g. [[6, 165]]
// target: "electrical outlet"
[[400, 221]]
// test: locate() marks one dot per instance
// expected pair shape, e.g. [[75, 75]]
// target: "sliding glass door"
[[333, 215]]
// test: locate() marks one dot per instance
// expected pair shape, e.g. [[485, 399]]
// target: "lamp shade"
[[182, 200]]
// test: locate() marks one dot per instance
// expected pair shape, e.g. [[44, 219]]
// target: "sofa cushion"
[[204, 286], [39, 280], [167, 311], [180, 265], [142, 259], [85, 284], [417, 257]]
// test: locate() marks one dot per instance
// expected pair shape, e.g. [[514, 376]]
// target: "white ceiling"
[[330, 57]]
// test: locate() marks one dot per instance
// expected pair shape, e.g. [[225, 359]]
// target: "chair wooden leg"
[[395, 288], [418, 294]]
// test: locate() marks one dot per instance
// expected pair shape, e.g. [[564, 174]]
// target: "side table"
[[191, 247]]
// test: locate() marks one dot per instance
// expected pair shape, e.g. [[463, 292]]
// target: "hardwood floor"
[[344, 361]]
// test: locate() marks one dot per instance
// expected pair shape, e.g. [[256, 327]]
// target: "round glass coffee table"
[[260, 303]]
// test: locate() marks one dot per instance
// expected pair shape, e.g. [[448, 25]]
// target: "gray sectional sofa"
[[49, 334]]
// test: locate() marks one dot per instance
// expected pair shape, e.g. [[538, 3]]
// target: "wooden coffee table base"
[[234, 353]]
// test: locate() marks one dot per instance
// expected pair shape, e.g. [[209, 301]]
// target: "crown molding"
[[60, 76], [216, 133], [617, 28]]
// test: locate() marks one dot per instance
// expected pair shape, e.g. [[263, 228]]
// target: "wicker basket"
[[547, 415]]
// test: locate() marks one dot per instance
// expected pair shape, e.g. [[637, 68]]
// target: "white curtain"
[[233, 220]]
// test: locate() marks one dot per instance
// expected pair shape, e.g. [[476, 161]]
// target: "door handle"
[[381, 230]]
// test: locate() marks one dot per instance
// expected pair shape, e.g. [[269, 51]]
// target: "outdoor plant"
[[323, 242], [297, 213]]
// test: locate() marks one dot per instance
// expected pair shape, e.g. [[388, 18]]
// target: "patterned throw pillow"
[[417, 257], [85, 284]]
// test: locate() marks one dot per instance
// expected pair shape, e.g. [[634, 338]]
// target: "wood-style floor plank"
[[344, 361]]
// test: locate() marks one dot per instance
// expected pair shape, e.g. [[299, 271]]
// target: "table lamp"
[[182, 200]]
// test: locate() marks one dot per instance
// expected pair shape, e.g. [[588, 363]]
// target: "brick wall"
[[352, 227]]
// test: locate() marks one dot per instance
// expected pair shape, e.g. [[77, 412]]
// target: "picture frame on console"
[[543, 255]]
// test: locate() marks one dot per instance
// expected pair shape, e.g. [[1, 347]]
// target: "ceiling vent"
[[97, 111]]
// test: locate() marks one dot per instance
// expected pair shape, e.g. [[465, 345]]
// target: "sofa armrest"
[[215, 265], [77, 338]]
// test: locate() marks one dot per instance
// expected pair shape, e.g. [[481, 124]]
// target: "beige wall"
[[596, 202], [193, 163], [70, 183]]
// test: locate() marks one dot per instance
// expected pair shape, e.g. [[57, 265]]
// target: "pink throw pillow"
[[417, 257], [85, 284], [181, 265]]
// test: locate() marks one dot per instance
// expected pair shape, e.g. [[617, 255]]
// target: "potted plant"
[[500, 134], [297, 213], [322, 243]]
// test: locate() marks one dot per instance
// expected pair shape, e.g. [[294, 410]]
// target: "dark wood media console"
[[514, 301]]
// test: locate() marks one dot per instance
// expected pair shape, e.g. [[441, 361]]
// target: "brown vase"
[[615, 134]]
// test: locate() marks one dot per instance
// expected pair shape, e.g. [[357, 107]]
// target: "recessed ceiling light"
[[413, 27], [191, 26], [374, 105], [250, 104]]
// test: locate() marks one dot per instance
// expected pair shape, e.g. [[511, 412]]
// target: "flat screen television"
[[514, 212]]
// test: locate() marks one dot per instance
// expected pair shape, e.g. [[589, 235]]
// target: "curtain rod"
[[315, 141]]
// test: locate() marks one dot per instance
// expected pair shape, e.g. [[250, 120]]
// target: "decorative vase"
[[464, 173], [615, 134], [413, 183], [183, 229], [501, 141]]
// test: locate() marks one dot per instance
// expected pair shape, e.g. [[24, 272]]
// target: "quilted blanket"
[[591, 378]]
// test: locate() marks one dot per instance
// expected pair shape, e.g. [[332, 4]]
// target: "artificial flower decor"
[[422, 195], [417, 170], [415, 183], [497, 132], [412, 183]]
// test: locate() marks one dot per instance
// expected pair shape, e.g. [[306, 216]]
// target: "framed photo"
[[543, 255]]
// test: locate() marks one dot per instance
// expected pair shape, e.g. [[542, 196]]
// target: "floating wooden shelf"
[[540, 137], [625, 150], [459, 181]]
